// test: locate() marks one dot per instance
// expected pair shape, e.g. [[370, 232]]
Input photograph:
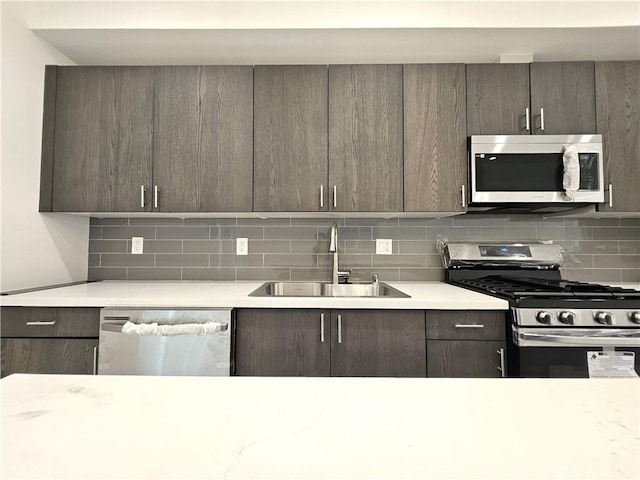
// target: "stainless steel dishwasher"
[[165, 342]]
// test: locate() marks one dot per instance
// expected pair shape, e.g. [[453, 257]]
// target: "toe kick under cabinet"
[[49, 340], [369, 343]]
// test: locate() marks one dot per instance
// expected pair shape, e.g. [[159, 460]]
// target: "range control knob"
[[634, 317], [604, 318], [567, 318], [544, 317]]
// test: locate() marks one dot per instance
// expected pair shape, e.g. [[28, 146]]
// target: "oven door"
[[562, 353]]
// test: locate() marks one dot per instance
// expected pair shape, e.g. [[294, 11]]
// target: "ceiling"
[[339, 45]]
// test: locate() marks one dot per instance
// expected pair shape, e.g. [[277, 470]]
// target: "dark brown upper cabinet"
[[97, 146], [203, 137], [435, 140], [365, 138], [497, 98], [563, 98], [618, 120], [537, 98], [290, 144]]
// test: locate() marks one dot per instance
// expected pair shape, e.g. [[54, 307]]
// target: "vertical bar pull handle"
[[501, 368], [335, 196], [155, 196], [322, 328], [611, 195], [321, 196], [542, 119], [142, 190], [527, 119], [464, 196], [339, 328], [95, 360]]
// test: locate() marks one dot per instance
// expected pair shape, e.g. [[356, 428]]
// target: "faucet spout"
[[337, 274], [333, 241]]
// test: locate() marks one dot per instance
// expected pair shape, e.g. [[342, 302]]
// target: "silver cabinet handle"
[[322, 327], [501, 367], [155, 196], [469, 325], [41, 324], [527, 119], [321, 196], [339, 328], [335, 196], [464, 196], [611, 195], [95, 360], [142, 190], [542, 119]]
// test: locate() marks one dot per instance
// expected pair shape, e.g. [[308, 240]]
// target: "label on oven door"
[[611, 364]]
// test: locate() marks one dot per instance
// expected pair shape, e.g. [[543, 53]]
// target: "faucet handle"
[[344, 275], [375, 278]]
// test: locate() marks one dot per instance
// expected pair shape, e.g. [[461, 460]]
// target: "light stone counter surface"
[[102, 427], [428, 296]]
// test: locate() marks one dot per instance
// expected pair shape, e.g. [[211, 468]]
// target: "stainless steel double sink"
[[323, 289]]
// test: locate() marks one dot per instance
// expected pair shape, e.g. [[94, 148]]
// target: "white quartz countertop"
[[125, 427], [428, 296]]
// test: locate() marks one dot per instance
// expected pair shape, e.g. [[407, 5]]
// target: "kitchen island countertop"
[[425, 295], [117, 427]]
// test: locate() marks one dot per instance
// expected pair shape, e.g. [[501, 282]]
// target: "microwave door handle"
[[597, 338], [571, 171]]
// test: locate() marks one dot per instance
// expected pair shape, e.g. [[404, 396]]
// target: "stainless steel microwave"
[[532, 170]]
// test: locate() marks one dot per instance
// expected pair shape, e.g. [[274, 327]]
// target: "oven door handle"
[[584, 338]]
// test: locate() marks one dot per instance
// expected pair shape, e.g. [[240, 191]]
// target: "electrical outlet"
[[242, 246], [384, 246], [137, 245]]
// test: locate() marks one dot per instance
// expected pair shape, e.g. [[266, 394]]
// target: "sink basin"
[[322, 289]]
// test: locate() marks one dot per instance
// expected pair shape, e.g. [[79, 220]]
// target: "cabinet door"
[[618, 119], [465, 358], [290, 145], [378, 343], [365, 137], [102, 152], [497, 98], [278, 342], [203, 138], [48, 355], [566, 92], [435, 140]]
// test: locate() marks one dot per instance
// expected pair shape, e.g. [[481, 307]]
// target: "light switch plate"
[[384, 246], [242, 246], [137, 245]]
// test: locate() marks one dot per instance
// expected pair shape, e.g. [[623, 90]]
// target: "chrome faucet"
[[333, 248]]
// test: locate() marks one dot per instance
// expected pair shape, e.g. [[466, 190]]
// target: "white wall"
[[35, 249]]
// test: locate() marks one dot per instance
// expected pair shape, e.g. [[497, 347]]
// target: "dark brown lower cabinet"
[[48, 355], [465, 358], [49, 340], [466, 344], [302, 342], [378, 343], [283, 342]]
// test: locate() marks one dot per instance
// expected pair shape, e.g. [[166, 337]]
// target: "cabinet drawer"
[[474, 325], [50, 322]]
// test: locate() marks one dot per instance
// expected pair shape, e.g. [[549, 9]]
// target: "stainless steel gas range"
[[557, 328]]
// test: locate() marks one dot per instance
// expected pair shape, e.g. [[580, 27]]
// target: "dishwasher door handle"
[[169, 330]]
